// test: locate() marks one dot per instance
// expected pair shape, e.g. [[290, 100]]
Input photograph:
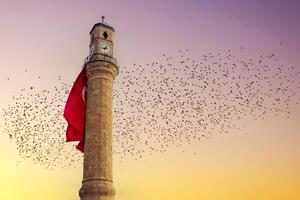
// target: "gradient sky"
[[50, 38]]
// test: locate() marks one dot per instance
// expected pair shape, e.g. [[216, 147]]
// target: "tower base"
[[97, 190]]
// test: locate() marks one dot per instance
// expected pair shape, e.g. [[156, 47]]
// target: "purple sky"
[[146, 29]]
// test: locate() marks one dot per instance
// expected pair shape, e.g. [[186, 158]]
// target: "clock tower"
[[101, 69], [101, 39]]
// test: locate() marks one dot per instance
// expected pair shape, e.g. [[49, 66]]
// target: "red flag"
[[75, 111]]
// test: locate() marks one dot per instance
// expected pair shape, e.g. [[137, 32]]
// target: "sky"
[[50, 38]]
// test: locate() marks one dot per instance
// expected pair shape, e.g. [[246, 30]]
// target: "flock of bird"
[[172, 102]]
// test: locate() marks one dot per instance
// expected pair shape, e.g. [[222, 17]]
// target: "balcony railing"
[[101, 57]]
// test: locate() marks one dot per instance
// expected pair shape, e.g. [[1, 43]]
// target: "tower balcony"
[[101, 57]]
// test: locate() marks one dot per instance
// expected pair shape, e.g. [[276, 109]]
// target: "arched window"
[[105, 35]]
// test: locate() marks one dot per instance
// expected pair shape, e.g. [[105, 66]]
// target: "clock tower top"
[[102, 31], [101, 43]]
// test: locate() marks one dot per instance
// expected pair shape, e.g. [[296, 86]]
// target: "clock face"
[[104, 48]]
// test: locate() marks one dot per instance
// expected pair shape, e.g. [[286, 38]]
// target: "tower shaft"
[[97, 181]]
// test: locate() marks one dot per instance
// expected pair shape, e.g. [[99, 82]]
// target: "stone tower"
[[101, 69]]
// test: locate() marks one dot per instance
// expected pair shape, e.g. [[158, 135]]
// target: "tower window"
[[105, 35]]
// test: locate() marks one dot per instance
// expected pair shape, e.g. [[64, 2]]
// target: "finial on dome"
[[103, 17]]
